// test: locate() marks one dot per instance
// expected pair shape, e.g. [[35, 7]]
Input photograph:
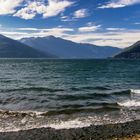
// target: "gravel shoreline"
[[122, 131], [135, 137]]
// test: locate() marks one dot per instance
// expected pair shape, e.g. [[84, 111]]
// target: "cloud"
[[26, 13], [89, 28], [27, 29], [55, 7], [120, 38], [82, 13], [17, 33], [137, 23], [52, 8], [60, 29], [119, 3], [8, 6], [115, 29], [66, 18]]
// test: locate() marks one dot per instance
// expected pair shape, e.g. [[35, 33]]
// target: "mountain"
[[68, 49], [10, 48], [132, 52]]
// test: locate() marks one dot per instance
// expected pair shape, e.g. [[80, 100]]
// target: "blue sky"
[[100, 22]]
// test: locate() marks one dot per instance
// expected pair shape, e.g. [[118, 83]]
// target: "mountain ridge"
[[10, 48], [132, 52], [68, 49]]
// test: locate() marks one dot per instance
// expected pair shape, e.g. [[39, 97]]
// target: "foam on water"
[[134, 101], [59, 92], [136, 91], [24, 113], [70, 124], [79, 122], [55, 124], [130, 103]]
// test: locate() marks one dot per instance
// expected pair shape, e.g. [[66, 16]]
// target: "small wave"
[[101, 88], [82, 97], [21, 113], [130, 103], [136, 91], [121, 92], [66, 110], [69, 111], [133, 102], [75, 123], [105, 105], [126, 92], [67, 123], [43, 114], [89, 88], [70, 124], [32, 89]]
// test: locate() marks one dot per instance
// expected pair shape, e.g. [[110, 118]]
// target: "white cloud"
[[115, 29], [121, 38], [27, 29], [53, 8], [25, 13], [137, 23], [80, 13], [59, 29], [89, 28], [119, 3], [66, 18], [109, 38], [8, 6], [18, 33]]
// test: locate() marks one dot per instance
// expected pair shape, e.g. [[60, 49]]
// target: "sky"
[[100, 22]]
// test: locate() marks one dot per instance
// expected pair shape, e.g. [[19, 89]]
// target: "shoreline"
[[120, 131], [135, 137]]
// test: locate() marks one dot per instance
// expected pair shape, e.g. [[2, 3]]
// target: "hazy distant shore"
[[129, 130]]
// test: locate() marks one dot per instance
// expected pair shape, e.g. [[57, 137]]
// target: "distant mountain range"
[[10, 48], [132, 52], [53, 47], [67, 49]]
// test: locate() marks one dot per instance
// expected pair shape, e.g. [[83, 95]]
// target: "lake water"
[[67, 93]]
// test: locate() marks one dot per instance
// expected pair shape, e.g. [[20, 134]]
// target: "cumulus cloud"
[[8, 6], [52, 8], [25, 13], [119, 3], [55, 7], [80, 13]]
